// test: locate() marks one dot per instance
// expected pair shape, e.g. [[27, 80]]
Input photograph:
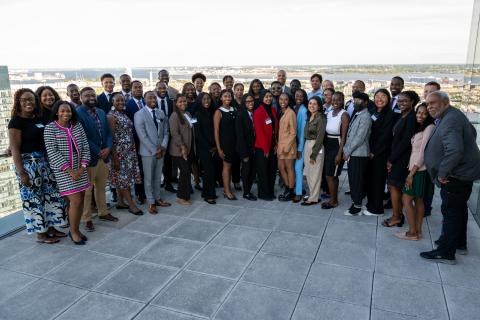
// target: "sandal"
[[161, 203], [328, 205], [388, 222], [108, 217], [57, 234], [122, 207], [48, 240], [405, 236]]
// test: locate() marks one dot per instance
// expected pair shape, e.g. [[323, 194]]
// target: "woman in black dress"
[[206, 145], [224, 123], [256, 86], [397, 164]]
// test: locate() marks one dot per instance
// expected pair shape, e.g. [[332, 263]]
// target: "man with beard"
[[164, 76]]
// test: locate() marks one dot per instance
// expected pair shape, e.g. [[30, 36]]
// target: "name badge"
[[397, 111], [374, 117], [193, 120], [268, 121], [40, 125]]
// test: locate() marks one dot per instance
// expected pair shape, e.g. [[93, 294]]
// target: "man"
[[228, 82], [74, 95], [276, 89], [166, 105], [198, 80], [451, 157], [396, 86], [97, 130], [357, 86], [103, 100], [294, 86], [316, 82], [328, 84], [151, 125], [126, 82], [164, 76], [282, 78], [430, 87], [135, 104], [356, 151]]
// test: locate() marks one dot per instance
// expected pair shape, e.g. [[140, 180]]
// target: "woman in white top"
[[336, 132], [418, 184]]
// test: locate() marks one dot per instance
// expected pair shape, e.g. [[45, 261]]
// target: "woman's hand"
[[338, 159], [408, 182], [73, 174], [183, 151], [245, 159], [299, 155], [25, 179], [371, 155], [389, 166], [221, 154]]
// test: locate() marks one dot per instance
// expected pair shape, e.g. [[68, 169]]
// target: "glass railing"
[[11, 217]]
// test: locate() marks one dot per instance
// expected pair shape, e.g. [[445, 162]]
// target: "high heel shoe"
[[230, 198], [78, 243]]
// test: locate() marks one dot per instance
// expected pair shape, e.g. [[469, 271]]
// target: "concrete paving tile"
[[241, 238], [346, 254], [196, 230], [291, 245], [171, 252], [123, 243], [311, 308]]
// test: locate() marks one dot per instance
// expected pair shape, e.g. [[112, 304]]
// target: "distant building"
[[9, 195]]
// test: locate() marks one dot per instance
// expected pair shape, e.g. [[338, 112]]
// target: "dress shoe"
[[89, 226], [170, 188], [435, 256], [250, 197], [152, 209]]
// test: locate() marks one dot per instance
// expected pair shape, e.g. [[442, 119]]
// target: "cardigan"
[[419, 142], [264, 129]]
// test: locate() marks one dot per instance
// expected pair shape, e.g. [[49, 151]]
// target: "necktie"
[[108, 97], [155, 118], [140, 104], [127, 97], [162, 106], [392, 104]]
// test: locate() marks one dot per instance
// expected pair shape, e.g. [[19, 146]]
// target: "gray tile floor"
[[239, 260]]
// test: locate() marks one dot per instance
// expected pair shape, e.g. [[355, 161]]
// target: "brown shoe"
[[89, 226], [161, 203], [184, 202], [152, 209], [108, 217]]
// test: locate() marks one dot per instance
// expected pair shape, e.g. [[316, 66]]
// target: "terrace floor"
[[239, 260]]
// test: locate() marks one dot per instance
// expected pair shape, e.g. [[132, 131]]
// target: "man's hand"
[[443, 180]]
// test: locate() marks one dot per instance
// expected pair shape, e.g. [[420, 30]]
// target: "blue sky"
[[141, 33]]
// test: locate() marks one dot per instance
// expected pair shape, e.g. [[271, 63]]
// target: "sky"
[[147, 33]]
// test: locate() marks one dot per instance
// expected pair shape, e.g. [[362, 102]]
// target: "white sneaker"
[[371, 214]]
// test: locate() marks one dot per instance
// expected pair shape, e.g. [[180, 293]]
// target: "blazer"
[[61, 143], [204, 131], [403, 132], [287, 133], [452, 150], [151, 138], [301, 122], [286, 89], [96, 142], [172, 92], [103, 103], [315, 130], [358, 135], [182, 135], [381, 134], [131, 107], [245, 133], [169, 105], [264, 131]]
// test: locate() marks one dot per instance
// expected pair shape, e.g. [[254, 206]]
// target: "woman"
[[182, 147], [266, 128], [206, 146], [314, 153], [418, 184], [245, 140], [189, 92], [380, 143], [397, 164], [124, 172], [215, 89], [69, 154], [287, 146], [238, 90], [328, 99], [48, 96], [300, 108], [256, 87], [336, 130], [224, 124], [43, 207]]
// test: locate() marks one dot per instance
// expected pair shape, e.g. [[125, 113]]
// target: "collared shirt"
[[318, 93], [165, 101], [92, 112], [127, 95]]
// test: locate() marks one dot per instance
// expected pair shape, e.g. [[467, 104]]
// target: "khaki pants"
[[313, 172], [98, 176]]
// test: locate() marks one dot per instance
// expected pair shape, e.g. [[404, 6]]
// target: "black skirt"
[[331, 150], [399, 172]]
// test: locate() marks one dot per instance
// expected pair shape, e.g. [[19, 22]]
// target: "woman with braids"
[[69, 154], [43, 206], [397, 164], [47, 96], [418, 184]]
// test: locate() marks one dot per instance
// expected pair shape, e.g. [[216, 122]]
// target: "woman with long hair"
[[300, 108], [47, 97], [256, 87]]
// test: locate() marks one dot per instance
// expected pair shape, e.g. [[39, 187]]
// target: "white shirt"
[[125, 95], [159, 102], [108, 94], [138, 100]]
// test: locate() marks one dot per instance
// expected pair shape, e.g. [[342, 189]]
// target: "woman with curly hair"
[[47, 97]]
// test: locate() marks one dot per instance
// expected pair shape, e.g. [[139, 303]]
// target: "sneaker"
[[368, 213], [435, 256], [353, 211]]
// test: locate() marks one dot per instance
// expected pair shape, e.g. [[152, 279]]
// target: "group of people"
[[66, 152]]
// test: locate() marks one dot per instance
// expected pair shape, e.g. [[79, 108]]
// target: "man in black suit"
[[164, 76], [126, 82], [245, 145], [103, 100], [165, 104], [451, 157]]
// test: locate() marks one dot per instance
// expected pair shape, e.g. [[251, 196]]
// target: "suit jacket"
[[245, 133], [382, 133], [169, 105], [287, 90], [452, 150], [172, 92], [358, 135], [264, 130], [182, 134], [103, 103], [131, 107], [287, 133], [403, 132], [204, 132], [151, 138], [96, 141]]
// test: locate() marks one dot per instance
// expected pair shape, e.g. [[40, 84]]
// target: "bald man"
[[282, 78]]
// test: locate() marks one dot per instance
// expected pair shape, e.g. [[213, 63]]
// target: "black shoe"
[[137, 213], [198, 187], [114, 197], [437, 242], [170, 188], [250, 197], [348, 192], [78, 243], [229, 198], [266, 198], [237, 186], [210, 201], [435, 256], [353, 211]]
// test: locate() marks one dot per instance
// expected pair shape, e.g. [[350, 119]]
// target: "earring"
[[112, 108]]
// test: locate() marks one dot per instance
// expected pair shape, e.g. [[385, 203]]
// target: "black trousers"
[[377, 176], [454, 196], [139, 188], [184, 180], [357, 169], [207, 162], [167, 169], [248, 173], [266, 173], [236, 169]]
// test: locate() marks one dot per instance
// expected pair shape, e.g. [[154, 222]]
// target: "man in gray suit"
[[452, 159], [356, 151], [151, 125], [282, 78]]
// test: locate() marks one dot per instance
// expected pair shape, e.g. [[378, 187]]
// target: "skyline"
[[410, 32]]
